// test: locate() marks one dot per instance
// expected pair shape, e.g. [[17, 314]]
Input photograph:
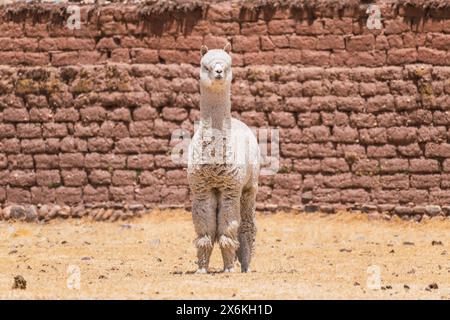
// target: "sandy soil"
[[299, 256]]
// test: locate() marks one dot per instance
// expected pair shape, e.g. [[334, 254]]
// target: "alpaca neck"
[[215, 107]]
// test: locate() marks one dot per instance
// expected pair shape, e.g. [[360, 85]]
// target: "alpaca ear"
[[227, 48], [203, 50]]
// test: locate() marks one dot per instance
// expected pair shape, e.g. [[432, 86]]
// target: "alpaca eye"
[[206, 68]]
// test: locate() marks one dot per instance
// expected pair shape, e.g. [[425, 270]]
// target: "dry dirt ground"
[[298, 256]]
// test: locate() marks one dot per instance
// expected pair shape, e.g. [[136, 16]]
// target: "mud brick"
[[316, 150], [315, 134], [74, 177], [345, 134], [308, 119], [48, 178], [41, 114], [385, 151], [413, 196], [411, 150], [70, 144], [148, 195], [360, 43], [28, 130], [54, 130], [46, 161], [33, 145], [327, 103], [123, 177], [334, 165], [100, 144], [66, 115], [362, 120], [100, 177], [402, 135], [86, 129], [424, 165], [15, 115], [105, 161], [10, 146], [42, 195], [122, 193], [90, 114], [176, 177], [354, 196], [437, 150], [20, 161], [322, 195], [425, 181], [394, 165], [7, 130], [334, 119], [18, 178], [17, 195], [141, 128], [142, 161], [93, 194], [396, 181], [174, 195], [68, 195], [71, 160], [294, 150], [373, 136], [401, 56], [365, 166]]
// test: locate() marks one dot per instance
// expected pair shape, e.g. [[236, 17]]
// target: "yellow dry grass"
[[298, 256]]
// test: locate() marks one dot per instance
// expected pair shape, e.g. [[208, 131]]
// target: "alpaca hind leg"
[[227, 232], [247, 228], [204, 216]]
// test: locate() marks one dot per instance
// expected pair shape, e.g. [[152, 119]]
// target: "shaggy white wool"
[[223, 168]]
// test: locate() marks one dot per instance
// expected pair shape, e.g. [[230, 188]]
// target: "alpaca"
[[223, 170]]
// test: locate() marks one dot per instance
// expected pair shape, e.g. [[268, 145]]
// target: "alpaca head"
[[215, 67]]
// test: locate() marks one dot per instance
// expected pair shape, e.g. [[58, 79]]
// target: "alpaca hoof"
[[245, 270], [201, 271], [228, 270]]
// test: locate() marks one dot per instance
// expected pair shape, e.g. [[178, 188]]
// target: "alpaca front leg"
[[228, 225], [204, 217]]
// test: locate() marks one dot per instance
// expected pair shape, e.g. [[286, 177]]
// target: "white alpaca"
[[223, 170]]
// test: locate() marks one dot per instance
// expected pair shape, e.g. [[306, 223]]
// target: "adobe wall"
[[86, 115]]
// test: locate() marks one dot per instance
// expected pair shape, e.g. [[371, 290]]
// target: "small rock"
[[18, 212], [369, 208], [99, 214], [406, 287], [311, 208], [31, 214], [345, 250], [433, 210], [408, 243], [107, 214], [43, 211], [79, 211], [64, 212], [328, 209], [436, 243], [53, 212], [136, 207], [403, 211], [433, 286], [19, 283]]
